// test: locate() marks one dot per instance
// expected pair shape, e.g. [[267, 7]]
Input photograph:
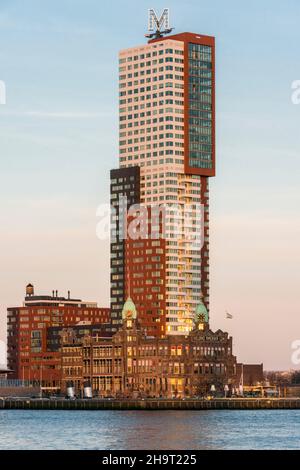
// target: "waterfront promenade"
[[153, 404]]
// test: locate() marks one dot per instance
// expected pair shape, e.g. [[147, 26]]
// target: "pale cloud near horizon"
[[59, 114]]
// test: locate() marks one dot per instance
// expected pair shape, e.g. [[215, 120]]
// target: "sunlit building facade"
[[167, 129], [131, 364]]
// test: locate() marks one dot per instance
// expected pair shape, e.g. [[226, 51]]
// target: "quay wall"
[[215, 404]]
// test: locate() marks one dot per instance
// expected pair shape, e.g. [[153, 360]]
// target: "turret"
[[201, 318], [129, 313]]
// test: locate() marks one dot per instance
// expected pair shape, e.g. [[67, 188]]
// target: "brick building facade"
[[130, 364], [28, 353]]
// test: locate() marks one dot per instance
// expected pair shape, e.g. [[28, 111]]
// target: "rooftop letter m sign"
[[155, 24]]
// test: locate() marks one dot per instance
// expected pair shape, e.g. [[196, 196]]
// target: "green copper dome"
[[129, 310], [201, 313]]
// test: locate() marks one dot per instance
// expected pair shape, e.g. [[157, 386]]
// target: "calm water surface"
[[120, 430]]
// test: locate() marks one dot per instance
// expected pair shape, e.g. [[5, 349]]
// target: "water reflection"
[[167, 430]]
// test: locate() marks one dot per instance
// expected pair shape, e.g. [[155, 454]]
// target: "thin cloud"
[[59, 114]]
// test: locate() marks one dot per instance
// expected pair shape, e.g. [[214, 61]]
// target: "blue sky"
[[58, 140]]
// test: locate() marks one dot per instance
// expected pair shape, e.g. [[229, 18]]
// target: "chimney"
[[56, 293], [69, 295], [53, 294]]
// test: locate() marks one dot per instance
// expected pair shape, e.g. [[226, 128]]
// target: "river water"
[[150, 430]]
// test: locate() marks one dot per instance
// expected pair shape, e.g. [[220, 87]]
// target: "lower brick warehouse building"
[[31, 353], [130, 364]]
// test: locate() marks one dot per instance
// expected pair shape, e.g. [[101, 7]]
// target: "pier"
[[151, 404]]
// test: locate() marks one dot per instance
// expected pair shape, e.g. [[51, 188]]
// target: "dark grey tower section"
[[124, 182]]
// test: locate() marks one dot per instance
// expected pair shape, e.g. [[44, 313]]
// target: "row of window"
[[153, 53], [154, 155], [154, 78], [141, 148], [149, 63], [153, 104], [149, 139], [136, 91], [154, 121], [200, 48], [202, 73], [154, 112], [168, 68], [167, 127], [178, 119], [200, 163], [200, 56], [154, 96]]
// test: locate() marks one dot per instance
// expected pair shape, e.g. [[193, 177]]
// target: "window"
[[200, 105]]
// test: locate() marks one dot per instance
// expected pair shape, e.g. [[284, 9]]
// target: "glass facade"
[[200, 106]]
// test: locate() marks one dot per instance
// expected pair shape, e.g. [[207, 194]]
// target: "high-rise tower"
[[167, 129]]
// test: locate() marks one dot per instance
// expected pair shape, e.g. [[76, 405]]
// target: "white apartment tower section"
[[152, 136]]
